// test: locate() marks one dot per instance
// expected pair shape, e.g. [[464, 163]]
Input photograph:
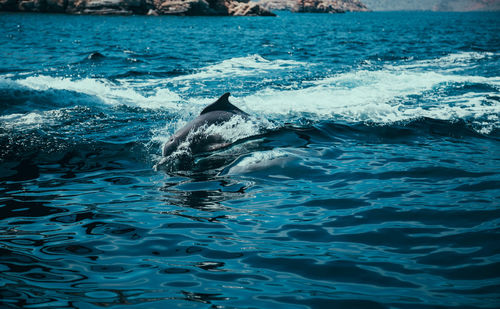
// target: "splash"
[[107, 92], [253, 65], [223, 135]]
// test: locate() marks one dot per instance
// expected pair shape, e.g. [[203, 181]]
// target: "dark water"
[[368, 176]]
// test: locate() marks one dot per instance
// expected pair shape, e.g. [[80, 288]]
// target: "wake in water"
[[377, 94]]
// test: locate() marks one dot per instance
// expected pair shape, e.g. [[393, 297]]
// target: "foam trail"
[[253, 65], [382, 96], [26, 121], [449, 63], [108, 92]]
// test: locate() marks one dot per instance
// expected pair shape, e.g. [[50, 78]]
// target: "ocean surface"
[[368, 175]]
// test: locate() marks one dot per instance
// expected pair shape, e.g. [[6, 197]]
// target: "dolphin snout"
[[169, 147]]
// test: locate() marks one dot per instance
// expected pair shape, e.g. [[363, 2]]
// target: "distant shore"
[[139, 7], [181, 7]]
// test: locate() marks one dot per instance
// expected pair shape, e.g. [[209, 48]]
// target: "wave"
[[381, 95], [386, 96], [448, 63], [253, 65], [107, 92], [148, 73]]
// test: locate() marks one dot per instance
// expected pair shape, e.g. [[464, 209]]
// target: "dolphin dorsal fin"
[[222, 104]]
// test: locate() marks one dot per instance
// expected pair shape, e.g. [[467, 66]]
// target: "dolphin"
[[216, 113]]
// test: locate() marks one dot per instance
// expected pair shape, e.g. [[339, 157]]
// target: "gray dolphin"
[[216, 113]]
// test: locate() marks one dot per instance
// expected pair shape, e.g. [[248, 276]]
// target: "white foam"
[[106, 91], [235, 129], [241, 66], [387, 94], [381, 96], [448, 63], [32, 120]]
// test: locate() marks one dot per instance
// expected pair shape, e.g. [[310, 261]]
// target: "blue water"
[[368, 175]]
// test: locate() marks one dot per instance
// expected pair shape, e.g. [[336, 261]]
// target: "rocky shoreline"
[[139, 7], [182, 7]]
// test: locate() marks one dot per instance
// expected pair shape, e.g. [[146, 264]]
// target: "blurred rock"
[[238, 8], [107, 7], [8, 5], [280, 5], [56, 6], [142, 7]]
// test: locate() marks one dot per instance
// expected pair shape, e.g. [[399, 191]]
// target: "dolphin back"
[[215, 114], [223, 104]]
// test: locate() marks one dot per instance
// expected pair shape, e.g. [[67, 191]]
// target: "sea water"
[[368, 175]]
